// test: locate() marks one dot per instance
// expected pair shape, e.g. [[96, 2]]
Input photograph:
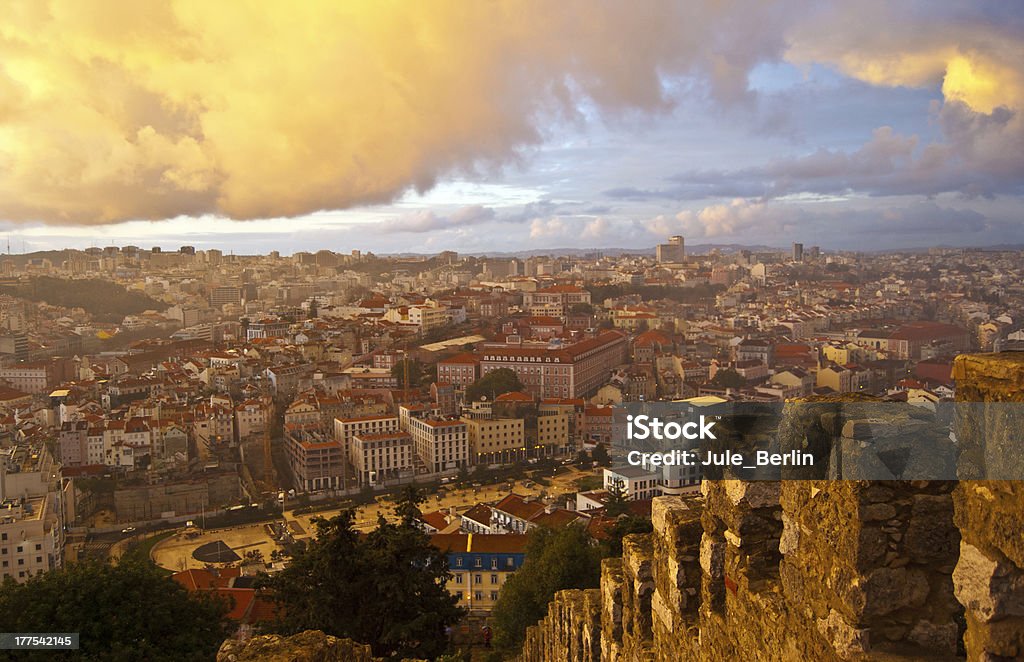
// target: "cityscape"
[[511, 331], [206, 407]]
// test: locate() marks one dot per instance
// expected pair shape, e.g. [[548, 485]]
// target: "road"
[[175, 553]]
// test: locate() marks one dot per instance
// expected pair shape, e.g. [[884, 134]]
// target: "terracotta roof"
[[517, 506], [480, 513], [514, 396]]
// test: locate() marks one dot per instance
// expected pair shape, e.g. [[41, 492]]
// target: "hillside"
[[105, 301]]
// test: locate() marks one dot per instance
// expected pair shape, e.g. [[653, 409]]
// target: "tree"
[[618, 501], [601, 455], [583, 459], [728, 378], [415, 372], [556, 559], [493, 384], [130, 611], [385, 588], [582, 308]]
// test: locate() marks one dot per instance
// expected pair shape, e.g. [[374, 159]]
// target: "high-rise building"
[[674, 252], [798, 252]]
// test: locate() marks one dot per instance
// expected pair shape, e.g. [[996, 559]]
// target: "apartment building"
[[439, 444], [460, 370], [496, 440], [554, 301], [480, 565], [551, 371], [377, 458], [347, 428], [315, 460]]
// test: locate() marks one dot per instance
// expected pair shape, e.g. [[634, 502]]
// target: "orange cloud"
[[119, 110]]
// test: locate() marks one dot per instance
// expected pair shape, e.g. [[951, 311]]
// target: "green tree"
[[415, 372], [583, 459], [385, 588], [601, 455], [618, 502], [556, 559], [407, 507], [493, 384], [728, 378], [129, 611], [582, 308]]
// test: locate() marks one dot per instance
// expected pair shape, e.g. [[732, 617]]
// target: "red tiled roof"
[[517, 506], [514, 396]]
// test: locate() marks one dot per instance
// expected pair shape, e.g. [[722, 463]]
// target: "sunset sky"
[[476, 126]]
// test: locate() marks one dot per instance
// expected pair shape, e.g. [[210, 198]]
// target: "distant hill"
[[105, 301]]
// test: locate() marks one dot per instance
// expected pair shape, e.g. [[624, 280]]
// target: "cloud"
[[756, 221], [571, 228], [112, 111], [428, 221], [982, 155]]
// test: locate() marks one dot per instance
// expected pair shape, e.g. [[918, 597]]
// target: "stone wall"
[[825, 569], [989, 575]]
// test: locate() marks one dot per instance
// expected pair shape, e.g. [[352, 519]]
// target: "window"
[[494, 578], [478, 595], [479, 562], [478, 579], [458, 578], [39, 559], [458, 562], [510, 562], [494, 563], [494, 596], [38, 547]]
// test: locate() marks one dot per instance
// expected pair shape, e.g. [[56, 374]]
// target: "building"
[[30, 538], [480, 565], [72, 443], [551, 371], [798, 252], [496, 440], [428, 317], [441, 445], [636, 483], [316, 461], [674, 252], [460, 370], [347, 428], [378, 458], [31, 513], [221, 296], [554, 301]]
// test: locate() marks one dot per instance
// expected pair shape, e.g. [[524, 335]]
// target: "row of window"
[[477, 579], [478, 596], [479, 563]]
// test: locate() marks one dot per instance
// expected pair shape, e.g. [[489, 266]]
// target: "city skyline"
[[401, 133]]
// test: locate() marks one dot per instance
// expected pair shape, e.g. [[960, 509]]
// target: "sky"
[[502, 126]]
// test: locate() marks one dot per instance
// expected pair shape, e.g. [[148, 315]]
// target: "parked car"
[[128, 530]]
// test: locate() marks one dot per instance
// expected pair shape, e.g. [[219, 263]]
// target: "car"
[[128, 530]]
